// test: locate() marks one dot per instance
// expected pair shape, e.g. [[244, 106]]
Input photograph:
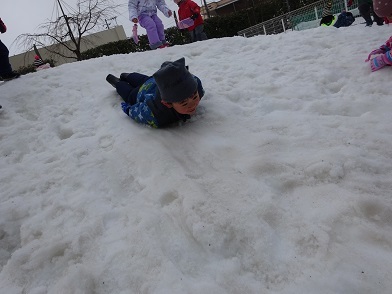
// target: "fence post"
[[284, 28], [315, 12], [265, 32]]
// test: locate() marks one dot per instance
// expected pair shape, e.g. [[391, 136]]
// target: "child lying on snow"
[[170, 95], [344, 19], [385, 57], [383, 8]]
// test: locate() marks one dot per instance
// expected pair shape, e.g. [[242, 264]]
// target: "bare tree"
[[66, 32]]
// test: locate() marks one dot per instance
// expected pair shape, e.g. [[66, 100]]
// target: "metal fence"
[[300, 19]]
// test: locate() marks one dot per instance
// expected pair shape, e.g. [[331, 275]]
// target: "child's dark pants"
[[129, 87], [366, 10], [5, 66], [198, 34]]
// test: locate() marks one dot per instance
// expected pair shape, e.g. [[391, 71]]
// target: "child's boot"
[[380, 61], [124, 76], [10, 76], [111, 79]]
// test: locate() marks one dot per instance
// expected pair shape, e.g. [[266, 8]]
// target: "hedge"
[[215, 27]]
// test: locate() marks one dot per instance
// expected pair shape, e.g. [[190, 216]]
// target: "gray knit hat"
[[174, 81], [383, 8]]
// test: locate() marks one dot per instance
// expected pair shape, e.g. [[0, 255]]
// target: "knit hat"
[[174, 81], [327, 9], [383, 8], [36, 57]]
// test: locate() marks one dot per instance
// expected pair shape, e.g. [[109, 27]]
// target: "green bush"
[[31, 68], [215, 27], [173, 35]]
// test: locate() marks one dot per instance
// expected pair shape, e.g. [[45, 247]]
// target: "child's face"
[[187, 106]]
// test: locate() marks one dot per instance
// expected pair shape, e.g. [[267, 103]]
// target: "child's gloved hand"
[[377, 63], [380, 61], [134, 34], [194, 16], [125, 107], [381, 50]]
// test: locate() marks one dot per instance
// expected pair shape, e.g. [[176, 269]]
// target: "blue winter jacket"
[[149, 109]]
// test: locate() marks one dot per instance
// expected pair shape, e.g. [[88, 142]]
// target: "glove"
[[377, 63], [380, 61], [381, 50], [349, 3], [134, 34], [185, 23], [194, 16], [125, 107]]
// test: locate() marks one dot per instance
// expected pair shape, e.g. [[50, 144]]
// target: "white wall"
[[88, 42]]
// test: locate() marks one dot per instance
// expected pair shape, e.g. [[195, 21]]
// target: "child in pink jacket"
[[383, 8], [383, 58]]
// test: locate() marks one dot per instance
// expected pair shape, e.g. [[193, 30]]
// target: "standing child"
[[189, 9], [145, 12], [6, 72], [365, 8], [172, 94]]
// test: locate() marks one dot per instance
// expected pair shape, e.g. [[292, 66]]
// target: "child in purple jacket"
[[145, 13]]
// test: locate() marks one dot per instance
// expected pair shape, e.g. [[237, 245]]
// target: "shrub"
[[215, 27], [31, 68]]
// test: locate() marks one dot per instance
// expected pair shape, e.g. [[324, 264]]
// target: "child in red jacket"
[[189, 10]]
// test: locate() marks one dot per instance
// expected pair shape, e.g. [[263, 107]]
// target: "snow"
[[281, 183]]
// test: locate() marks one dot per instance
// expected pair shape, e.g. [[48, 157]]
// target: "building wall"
[[88, 42]]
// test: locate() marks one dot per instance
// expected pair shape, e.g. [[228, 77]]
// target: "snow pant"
[[366, 10], [5, 66], [129, 87], [197, 34], [154, 28]]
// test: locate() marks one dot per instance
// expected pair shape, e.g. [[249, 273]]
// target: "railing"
[[300, 19]]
